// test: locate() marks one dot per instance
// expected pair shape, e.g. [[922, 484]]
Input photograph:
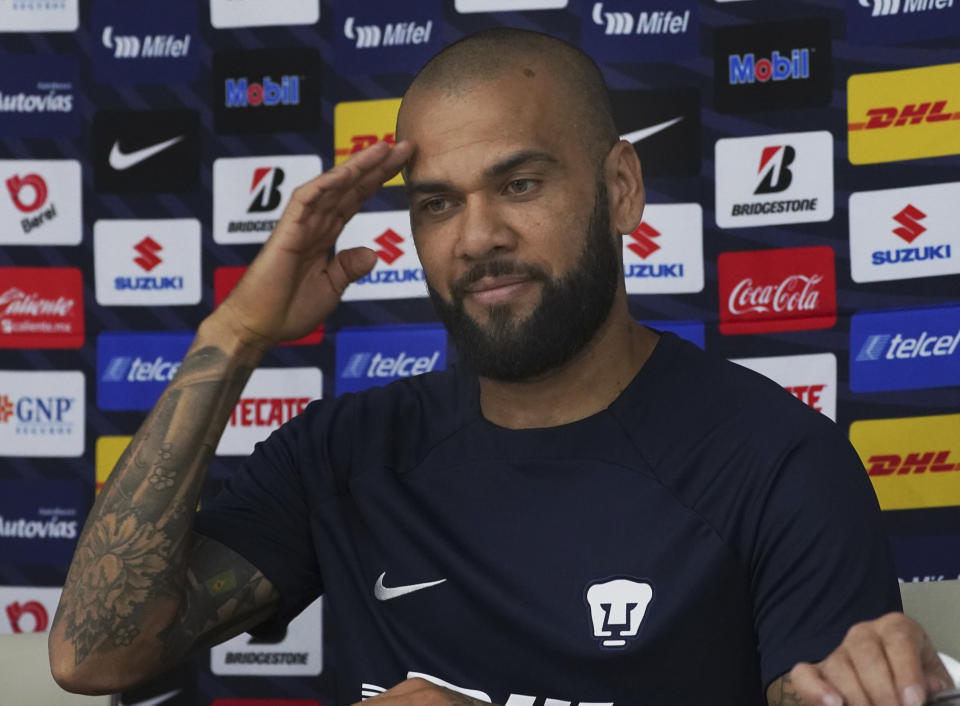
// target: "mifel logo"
[[908, 114], [913, 462], [359, 124]]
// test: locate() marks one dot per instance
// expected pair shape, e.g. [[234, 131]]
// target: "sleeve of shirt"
[[822, 561], [262, 513]]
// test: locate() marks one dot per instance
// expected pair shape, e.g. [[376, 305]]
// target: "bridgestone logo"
[[751, 209], [266, 658], [250, 226]]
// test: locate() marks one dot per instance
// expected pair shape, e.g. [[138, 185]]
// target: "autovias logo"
[[774, 170], [37, 95]]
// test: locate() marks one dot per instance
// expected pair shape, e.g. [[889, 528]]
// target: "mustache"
[[495, 268]]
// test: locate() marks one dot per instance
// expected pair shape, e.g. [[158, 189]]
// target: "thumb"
[[350, 265]]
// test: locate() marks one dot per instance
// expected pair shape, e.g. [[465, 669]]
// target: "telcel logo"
[[374, 356], [747, 69], [124, 369], [902, 347], [240, 93], [376, 365]]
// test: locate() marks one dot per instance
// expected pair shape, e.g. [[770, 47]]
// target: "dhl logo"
[[908, 114], [109, 449], [912, 462], [359, 124]]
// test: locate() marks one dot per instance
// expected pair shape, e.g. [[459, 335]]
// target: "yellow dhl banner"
[[108, 452], [359, 124], [908, 114], [913, 462]]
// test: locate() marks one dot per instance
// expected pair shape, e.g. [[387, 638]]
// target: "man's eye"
[[434, 205], [520, 186]]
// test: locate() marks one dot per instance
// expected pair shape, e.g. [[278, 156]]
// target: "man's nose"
[[483, 231]]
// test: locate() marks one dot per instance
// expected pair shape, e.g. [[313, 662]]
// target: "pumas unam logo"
[[617, 607], [908, 114]]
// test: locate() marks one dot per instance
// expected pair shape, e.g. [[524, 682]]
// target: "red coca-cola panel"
[[790, 289], [41, 307], [226, 278]]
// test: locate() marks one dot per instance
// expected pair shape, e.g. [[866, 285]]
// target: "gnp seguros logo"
[[905, 349], [913, 462], [367, 357], [906, 114], [42, 413], [904, 233]]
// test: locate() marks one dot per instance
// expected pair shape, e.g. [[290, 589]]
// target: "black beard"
[[570, 312]]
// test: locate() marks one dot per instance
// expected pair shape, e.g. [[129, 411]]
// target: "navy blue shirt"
[[701, 535]]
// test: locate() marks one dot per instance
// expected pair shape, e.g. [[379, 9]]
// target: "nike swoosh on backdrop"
[[382, 593], [155, 701], [645, 132], [124, 160]]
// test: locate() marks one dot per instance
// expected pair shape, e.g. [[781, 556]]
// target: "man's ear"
[[625, 187]]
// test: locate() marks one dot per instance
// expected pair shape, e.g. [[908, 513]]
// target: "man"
[[584, 511]]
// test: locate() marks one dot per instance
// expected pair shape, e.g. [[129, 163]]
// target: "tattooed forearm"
[[129, 578], [785, 694]]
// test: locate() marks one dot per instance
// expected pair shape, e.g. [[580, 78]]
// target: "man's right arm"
[[143, 588]]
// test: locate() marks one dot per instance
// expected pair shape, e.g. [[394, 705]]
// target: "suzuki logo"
[[388, 240], [644, 246], [148, 249], [908, 218], [36, 183], [40, 618], [269, 196], [776, 160]]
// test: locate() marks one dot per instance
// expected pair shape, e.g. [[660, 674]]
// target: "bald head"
[[527, 56]]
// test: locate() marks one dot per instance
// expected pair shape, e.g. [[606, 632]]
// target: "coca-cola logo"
[[796, 293], [15, 301]]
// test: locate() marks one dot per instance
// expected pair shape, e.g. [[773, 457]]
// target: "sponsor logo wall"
[[146, 153]]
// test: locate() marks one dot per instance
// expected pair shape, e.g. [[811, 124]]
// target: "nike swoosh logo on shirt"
[[155, 701], [383, 593], [645, 132], [124, 160]]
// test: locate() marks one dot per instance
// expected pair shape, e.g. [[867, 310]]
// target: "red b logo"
[[15, 185], [16, 610]]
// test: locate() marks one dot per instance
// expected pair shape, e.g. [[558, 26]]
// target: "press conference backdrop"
[[803, 180]]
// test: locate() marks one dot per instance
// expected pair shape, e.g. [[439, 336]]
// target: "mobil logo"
[[640, 30], [790, 289], [377, 36], [693, 331], [772, 65], [150, 41], [905, 349], [664, 254], [226, 278], [250, 193], [904, 233], [811, 378], [41, 413], [134, 368], [41, 307], [243, 92], [367, 357], [895, 21], [40, 202], [25, 609], [271, 397], [397, 273], [39, 525]]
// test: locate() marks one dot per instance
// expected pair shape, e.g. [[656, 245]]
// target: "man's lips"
[[492, 290], [488, 283]]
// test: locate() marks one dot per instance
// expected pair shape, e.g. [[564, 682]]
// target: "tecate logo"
[[796, 293], [267, 411], [395, 34], [747, 68], [242, 94]]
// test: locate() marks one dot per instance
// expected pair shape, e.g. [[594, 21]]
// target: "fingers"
[[839, 671], [348, 266], [900, 643], [868, 658]]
